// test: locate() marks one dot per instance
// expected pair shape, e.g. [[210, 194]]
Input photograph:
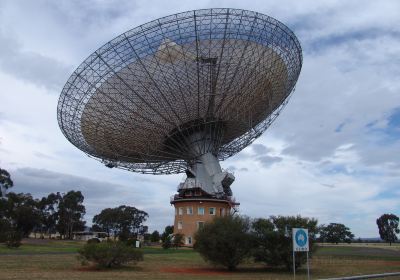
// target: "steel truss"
[[220, 74]]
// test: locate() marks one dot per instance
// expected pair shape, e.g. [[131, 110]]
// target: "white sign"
[[300, 239], [137, 243]]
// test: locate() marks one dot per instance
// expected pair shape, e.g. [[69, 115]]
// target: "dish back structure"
[[181, 92]]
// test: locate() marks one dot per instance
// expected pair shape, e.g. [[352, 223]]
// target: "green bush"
[[93, 241], [225, 241], [178, 240], [13, 239], [273, 240], [9, 234], [166, 242], [131, 242], [109, 254]]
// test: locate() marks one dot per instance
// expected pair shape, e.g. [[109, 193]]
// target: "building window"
[[222, 212], [211, 210], [200, 225], [180, 225], [200, 211], [189, 240], [180, 211], [189, 210]]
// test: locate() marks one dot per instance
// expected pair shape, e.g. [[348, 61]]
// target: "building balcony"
[[231, 200]]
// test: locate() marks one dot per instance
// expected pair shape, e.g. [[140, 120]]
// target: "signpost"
[[300, 244]]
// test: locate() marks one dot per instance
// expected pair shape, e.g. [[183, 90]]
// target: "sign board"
[[300, 239], [137, 243]]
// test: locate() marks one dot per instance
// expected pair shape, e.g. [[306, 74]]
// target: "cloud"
[[328, 186], [31, 67], [260, 149], [267, 161], [332, 153]]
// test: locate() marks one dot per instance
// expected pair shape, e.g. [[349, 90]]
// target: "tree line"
[[63, 213], [229, 240], [21, 214]]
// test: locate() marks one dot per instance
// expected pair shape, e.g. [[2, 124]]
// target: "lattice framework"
[[221, 74]]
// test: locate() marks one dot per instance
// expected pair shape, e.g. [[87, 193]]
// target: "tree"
[[166, 237], [169, 230], [335, 233], [22, 212], [8, 233], [18, 217], [224, 241], [155, 236], [388, 225], [107, 220], [177, 240], [5, 182], [273, 241], [166, 241], [48, 213], [123, 221], [70, 213]]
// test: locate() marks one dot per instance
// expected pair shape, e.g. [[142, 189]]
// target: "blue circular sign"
[[301, 238]]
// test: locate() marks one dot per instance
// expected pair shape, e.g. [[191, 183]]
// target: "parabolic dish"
[[142, 100]]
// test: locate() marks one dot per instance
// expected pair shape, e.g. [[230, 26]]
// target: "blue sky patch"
[[389, 133]]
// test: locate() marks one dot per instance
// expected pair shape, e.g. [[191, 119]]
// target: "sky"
[[332, 154]]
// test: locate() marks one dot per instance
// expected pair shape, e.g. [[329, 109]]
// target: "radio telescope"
[[181, 93]]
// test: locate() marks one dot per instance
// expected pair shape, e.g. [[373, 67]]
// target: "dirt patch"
[[387, 263], [35, 241], [87, 268], [196, 271]]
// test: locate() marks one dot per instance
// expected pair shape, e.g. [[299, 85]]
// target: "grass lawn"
[[57, 260]]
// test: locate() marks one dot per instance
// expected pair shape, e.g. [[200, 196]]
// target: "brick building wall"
[[192, 214]]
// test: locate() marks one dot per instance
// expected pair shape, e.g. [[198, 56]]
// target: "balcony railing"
[[230, 199]]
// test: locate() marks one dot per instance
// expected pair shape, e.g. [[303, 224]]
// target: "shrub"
[[131, 242], [155, 236], [225, 241], [93, 241], [273, 240], [166, 242], [178, 240], [109, 254], [13, 239], [9, 234], [166, 237]]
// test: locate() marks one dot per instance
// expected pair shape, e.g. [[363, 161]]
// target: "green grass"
[[359, 252], [49, 247], [57, 260]]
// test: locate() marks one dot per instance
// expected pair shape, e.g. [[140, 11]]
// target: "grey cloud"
[[342, 78], [327, 42], [43, 155], [89, 13], [268, 161], [331, 186], [317, 108], [260, 149], [42, 182], [31, 67], [232, 168]]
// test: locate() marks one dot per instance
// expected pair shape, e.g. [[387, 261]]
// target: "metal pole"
[[294, 267], [308, 268]]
